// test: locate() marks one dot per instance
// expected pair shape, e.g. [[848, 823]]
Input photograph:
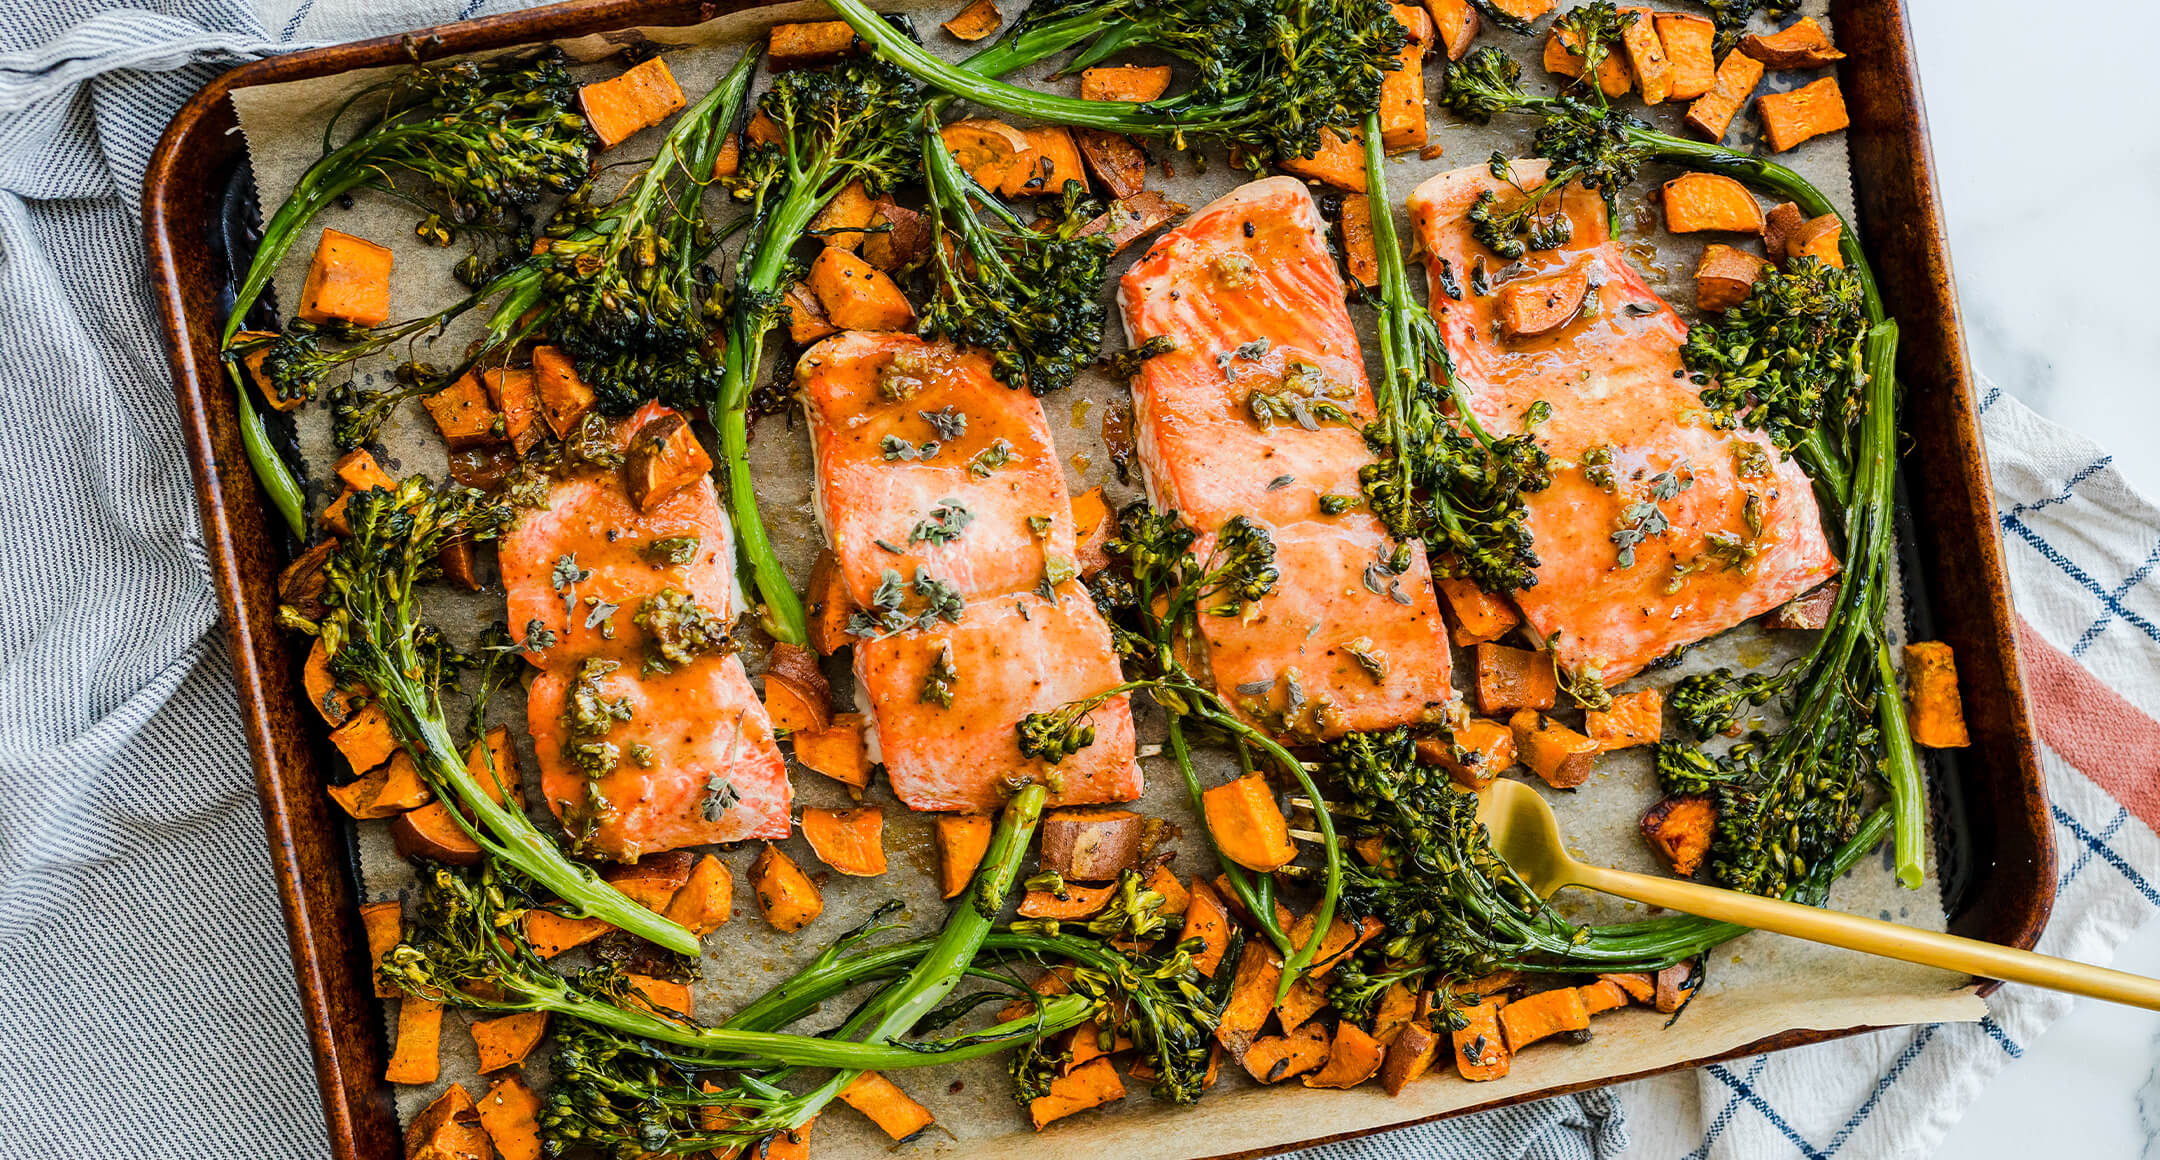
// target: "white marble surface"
[[2050, 189]]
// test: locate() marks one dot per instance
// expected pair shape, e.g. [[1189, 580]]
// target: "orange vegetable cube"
[[1563, 757], [564, 397], [839, 751], [417, 1058], [621, 106], [850, 841], [1409, 1057], [1481, 1051], [1247, 825], [1646, 57], [510, 1114], [384, 923], [1690, 43], [513, 393], [1737, 76], [857, 295], [1455, 24], [1726, 276], [892, 1110], [1938, 714], [1789, 119], [365, 739], [1534, 1017], [707, 897], [664, 458], [1339, 160], [794, 46], [1802, 45], [1514, 678], [1207, 920], [505, 1042], [1695, 202], [1474, 753], [786, 896], [347, 281], [1636, 718], [1133, 82], [1353, 1057], [1052, 161], [1474, 615], [461, 412], [1402, 90], [1090, 1085], [962, 840]]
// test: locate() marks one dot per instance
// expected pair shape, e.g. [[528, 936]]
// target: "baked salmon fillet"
[[1659, 529], [946, 508], [1257, 410], [693, 759]]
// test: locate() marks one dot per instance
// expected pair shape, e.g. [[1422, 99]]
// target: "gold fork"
[[1527, 836]]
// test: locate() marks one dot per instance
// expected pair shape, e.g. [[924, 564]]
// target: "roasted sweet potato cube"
[[892, 1110], [1398, 1005], [794, 46], [1635, 719], [1133, 82], [1679, 829], [1091, 845], [652, 881], [1531, 307], [1207, 920], [664, 458], [1697, 202], [334, 700], [1117, 161], [252, 347], [1524, 10], [1801, 45], [387, 791], [1052, 161], [1646, 56], [1402, 90], [1602, 996], [564, 397], [448, 1129], [1481, 1051], [1353, 1058], [706, 899], [1737, 76], [786, 896], [1339, 160], [361, 473], [505, 1042], [1474, 615], [551, 934], [1641, 988], [1726, 276], [840, 223], [1547, 1013], [1691, 44], [962, 840], [1514, 678], [621, 106], [897, 236], [1274, 1058], [1560, 755], [510, 1113], [1131, 218], [348, 280], [1475, 752], [1247, 825], [806, 321], [830, 604], [1780, 225], [1409, 1057], [1561, 59], [335, 518], [1252, 997], [1091, 1085], [1677, 984], [728, 162], [1455, 25], [1938, 714], [1177, 898], [1807, 612], [797, 696], [1360, 260], [840, 751], [417, 1058], [432, 832], [365, 739], [1818, 238], [511, 391], [850, 841], [1071, 900], [663, 997], [857, 295], [461, 412], [986, 150], [975, 21], [384, 924], [1789, 119]]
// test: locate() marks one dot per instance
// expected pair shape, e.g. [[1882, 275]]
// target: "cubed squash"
[[1560, 755], [348, 280], [857, 295], [1636, 718], [564, 397], [1136, 83], [1339, 160], [463, 415], [785, 895], [1247, 826], [1792, 119], [642, 96], [664, 458], [962, 840], [1712, 114], [1514, 678], [1938, 713]]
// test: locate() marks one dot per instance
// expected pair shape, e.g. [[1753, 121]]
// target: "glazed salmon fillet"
[[1257, 411], [1631, 442], [979, 527], [695, 759]]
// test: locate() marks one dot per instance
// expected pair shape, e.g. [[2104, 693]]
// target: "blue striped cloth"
[[143, 967]]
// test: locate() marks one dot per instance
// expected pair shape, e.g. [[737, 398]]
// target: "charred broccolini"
[[485, 140], [1811, 356], [1269, 75], [1027, 294], [1437, 474], [1454, 910]]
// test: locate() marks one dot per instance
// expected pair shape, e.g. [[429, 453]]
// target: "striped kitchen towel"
[[2082, 546], [140, 945]]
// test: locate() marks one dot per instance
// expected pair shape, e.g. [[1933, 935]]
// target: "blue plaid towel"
[[142, 960]]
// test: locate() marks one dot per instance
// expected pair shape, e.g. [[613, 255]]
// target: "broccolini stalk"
[[1027, 295], [1271, 73], [851, 122], [1806, 339], [1154, 605], [374, 634], [1453, 909], [488, 138], [1438, 476], [589, 1105]]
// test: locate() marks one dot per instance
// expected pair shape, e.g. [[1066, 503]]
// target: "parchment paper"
[[1757, 986]]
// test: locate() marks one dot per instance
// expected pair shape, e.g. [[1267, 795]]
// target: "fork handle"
[[1873, 936]]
